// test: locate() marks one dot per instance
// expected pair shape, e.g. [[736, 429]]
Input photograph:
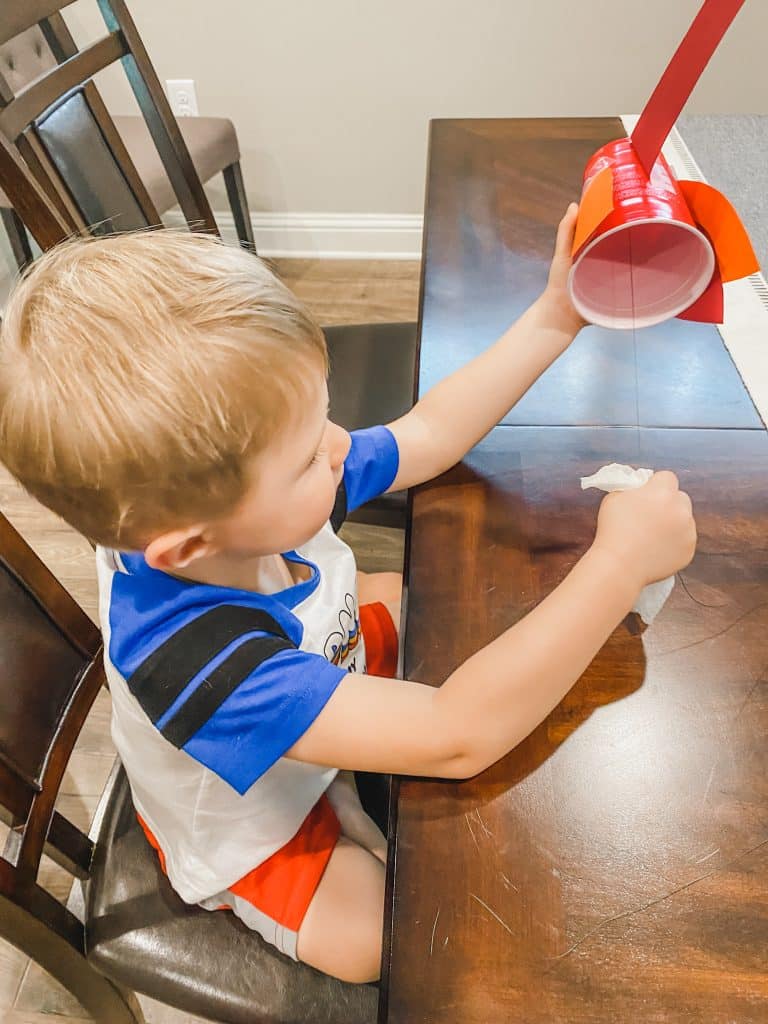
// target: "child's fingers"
[[566, 230]]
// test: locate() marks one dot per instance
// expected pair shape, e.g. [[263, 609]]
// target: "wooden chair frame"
[[31, 919], [75, 70]]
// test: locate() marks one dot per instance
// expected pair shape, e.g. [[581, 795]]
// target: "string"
[[634, 337]]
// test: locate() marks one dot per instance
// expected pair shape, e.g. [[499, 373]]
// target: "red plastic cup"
[[650, 261]]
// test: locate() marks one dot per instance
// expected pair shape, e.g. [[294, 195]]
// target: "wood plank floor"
[[337, 291]]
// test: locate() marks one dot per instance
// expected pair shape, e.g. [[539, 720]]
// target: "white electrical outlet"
[[182, 97]]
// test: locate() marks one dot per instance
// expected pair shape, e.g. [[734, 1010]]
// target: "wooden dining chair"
[[123, 929], [212, 141], [30, 55], [68, 145]]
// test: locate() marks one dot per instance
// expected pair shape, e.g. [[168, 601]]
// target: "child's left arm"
[[460, 410]]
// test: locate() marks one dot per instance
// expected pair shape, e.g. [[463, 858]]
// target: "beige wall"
[[332, 98]]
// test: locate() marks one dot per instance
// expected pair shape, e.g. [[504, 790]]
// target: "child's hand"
[[556, 294], [649, 530]]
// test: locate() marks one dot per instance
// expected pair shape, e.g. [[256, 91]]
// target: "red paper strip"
[[682, 74], [717, 217]]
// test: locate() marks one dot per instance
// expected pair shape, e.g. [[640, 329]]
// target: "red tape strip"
[[677, 83]]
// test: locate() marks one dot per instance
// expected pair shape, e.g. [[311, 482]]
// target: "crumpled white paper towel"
[[616, 477]]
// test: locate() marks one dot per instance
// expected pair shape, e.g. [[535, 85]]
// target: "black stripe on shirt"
[[161, 678], [339, 513], [215, 688]]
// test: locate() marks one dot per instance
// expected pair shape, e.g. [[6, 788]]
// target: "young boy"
[[166, 395]]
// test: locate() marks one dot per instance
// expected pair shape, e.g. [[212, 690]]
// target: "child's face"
[[295, 484]]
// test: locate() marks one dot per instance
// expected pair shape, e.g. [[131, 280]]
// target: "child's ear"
[[177, 549]]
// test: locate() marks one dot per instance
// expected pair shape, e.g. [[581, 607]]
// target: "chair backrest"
[[50, 674], [51, 671], [59, 126], [25, 57]]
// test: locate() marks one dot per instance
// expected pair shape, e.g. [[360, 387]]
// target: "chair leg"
[[233, 179], [63, 957], [17, 236]]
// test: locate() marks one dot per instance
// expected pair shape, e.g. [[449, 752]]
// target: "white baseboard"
[[357, 236]]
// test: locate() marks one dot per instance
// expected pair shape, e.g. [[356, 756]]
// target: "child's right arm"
[[500, 694]]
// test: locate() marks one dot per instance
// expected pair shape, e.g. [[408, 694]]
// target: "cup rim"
[[622, 322]]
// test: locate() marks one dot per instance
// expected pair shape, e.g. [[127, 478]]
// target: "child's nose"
[[339, 445]]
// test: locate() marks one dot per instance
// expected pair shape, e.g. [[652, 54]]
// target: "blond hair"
[[141, 373]]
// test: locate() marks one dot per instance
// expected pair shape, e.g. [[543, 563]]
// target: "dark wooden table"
[[614, 867]]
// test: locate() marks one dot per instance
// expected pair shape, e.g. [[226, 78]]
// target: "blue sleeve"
[[262, 719], [371, 465]]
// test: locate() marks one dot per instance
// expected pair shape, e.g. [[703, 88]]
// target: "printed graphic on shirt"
[[342, 642]]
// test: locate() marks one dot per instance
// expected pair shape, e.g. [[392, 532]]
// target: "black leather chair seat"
[[373, 369], [134, 917]]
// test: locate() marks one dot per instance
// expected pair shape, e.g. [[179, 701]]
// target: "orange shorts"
[[380, 634], [273, 898]]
